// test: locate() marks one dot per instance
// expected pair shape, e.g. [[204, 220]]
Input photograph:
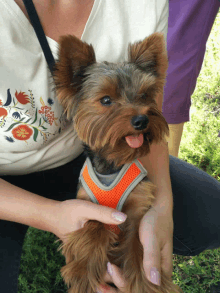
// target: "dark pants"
[[196, 211]]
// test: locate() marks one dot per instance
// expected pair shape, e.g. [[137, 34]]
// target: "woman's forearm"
[[19, 205], [157, 165]]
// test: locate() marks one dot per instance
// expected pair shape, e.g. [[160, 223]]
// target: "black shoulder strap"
[[40, 33]]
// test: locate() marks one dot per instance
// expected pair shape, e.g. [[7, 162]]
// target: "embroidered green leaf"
[[35, 134], [35, 118], [28, 120], [42, 102], [10, 127], [40, 122], [44, 127]]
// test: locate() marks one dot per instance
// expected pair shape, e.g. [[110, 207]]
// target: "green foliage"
[[41, 264], [197, 273], [200, 142]]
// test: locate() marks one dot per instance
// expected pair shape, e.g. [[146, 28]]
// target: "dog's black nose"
[[139, 122]]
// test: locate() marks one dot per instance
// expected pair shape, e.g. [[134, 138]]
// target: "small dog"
[[115, 114]]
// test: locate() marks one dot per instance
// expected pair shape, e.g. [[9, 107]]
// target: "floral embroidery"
[[10, 139], [22, 98], [16, 115], [22, 132], [3, 113], [25, 124], [50, 101], [48, 115]]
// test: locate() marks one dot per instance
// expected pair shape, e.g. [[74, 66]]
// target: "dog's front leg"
[[130, 249], [86, 255]]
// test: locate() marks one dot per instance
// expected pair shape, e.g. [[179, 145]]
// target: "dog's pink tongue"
[[135, 141]]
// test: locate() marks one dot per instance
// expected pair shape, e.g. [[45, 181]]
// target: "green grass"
[[200, 145], [40, 264]]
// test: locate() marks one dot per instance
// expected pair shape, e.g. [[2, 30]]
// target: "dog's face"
[[113, 106]]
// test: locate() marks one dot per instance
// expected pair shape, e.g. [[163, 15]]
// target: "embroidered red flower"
[[48, 114], [22, 132], [3, 112], [22, 98]]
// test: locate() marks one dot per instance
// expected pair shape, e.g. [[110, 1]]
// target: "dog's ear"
[[150, 55], [74, 58]]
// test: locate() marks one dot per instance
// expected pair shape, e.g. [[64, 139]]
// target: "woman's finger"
[[117, 277], [107, 289], [101, 213], [167, 258], [152, 254], [152, 260], [113, 275]]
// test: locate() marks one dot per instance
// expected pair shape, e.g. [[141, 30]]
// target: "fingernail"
[[155, 276], [119, 216], [109, 268]]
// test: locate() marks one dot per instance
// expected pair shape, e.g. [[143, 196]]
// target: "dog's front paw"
[[86, 253]]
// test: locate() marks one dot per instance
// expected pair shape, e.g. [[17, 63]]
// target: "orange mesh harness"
[[116, 194]]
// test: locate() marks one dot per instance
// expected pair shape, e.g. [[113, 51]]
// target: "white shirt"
[[34, 134]]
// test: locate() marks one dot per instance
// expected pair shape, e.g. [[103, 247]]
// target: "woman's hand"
[[72, 214], [156, 236]]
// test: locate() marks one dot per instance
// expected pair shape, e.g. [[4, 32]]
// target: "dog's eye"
[[144, 96], [106, 101]]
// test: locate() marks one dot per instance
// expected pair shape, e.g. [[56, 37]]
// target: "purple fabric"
[[189, 26]]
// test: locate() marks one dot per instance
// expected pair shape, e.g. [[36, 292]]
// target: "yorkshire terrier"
[[114, 111]]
